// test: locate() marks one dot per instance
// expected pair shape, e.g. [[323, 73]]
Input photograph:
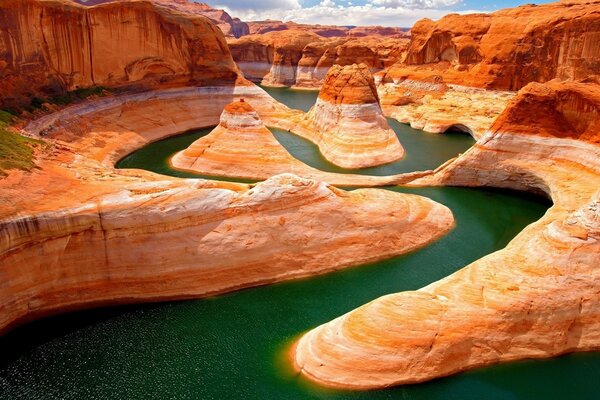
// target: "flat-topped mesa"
[[347, 122], [536, 298]]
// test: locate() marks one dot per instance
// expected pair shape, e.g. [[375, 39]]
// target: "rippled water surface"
[[234, 346]]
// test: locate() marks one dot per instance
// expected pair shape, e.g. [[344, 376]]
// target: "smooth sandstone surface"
[[347, 122], [536, 298], [52, 46], [77, 233], [242, 146]]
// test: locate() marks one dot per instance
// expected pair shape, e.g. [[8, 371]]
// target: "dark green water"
[[233, 346], [298, 99]]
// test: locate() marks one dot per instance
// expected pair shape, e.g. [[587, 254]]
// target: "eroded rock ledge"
[[78, 233], [536, 298]]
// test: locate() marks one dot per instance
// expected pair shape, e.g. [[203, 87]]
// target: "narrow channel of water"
[[233, 346]]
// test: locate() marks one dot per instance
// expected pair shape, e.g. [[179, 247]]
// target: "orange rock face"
[[242, 146], [261, 27], [302, 58], [77, 233], [49, 46], [230, 26], [347, 122], [536, 298], [509, 48]]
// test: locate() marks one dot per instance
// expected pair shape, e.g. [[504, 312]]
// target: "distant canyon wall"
[[51, 46]]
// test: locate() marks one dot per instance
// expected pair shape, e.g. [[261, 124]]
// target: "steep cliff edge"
[[347, 122], [536, 298], [301, 58], [509, 48], [230, 26], [52, 46]]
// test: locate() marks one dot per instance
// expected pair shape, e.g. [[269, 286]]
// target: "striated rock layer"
[[508, 48], [262, 27], [230, 26], [242, 146], [426, 102], [347, 122], [301, 58], [536, 298], [51, 46], [76, 232]]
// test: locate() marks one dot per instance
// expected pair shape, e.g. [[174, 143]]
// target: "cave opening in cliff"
[[459, 129]]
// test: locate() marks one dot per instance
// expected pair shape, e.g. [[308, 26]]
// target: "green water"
[[298, 99], [233, 346]]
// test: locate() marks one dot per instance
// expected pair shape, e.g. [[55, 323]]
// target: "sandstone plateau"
[[536, 298], [262, 27], [347, 122]]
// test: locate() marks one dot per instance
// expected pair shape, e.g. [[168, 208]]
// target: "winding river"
[[234, 346]]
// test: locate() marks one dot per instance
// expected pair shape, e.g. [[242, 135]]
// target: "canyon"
[[76, 232]]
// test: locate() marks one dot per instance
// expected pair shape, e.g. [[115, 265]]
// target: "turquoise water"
[[234, 346]]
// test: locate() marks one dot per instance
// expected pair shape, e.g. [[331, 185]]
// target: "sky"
[[402, 13]]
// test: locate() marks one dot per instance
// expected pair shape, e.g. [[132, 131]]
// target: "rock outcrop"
[[241, 146], [75, 232], [536, 298], [509, 48], [230, 26], [347, 122], [48, 47], [426, 102], [302, 58], [328, 31]]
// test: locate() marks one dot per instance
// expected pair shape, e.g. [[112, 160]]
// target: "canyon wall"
[[536, 298], [52, 46], [230, 26], [509, 48], [302, 58]]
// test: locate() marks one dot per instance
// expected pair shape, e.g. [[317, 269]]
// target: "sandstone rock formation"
[[230, 26], [347, 122], [329, 31], [76, 233], [536, 298], [242, 146], [272, 58], [509, 48], [425, 102], [302, 58], [50, 46]]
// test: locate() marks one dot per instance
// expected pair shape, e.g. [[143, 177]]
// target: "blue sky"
[[357, 12]]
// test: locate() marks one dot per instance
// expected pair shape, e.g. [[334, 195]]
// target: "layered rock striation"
[[48, 47], [347, 122], [536, 298], [509, 48], [301, 58], [75, 232], [242, 146], [230, 26]]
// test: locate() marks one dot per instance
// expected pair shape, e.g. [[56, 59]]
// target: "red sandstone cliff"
[[262, 27], [302, 58], [50, 46], [509, 48], [230, 26]]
